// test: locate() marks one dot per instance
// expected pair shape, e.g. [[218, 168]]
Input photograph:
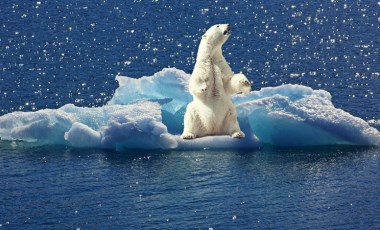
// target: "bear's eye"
[[217, 26]]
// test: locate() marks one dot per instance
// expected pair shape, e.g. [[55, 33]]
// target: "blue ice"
[[147, 113]]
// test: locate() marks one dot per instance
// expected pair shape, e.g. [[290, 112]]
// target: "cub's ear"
[[204, 36]]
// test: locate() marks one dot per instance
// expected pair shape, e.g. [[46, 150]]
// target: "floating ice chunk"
[[137, 125], [80, 135], [219, 142], [293, 92], [374, 122], [45, 126], [169, 86], [294, 115], [147, 113]]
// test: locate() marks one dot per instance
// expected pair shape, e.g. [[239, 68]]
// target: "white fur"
[[212, 83]]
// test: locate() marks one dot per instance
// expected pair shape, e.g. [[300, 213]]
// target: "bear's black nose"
[[228, 30]]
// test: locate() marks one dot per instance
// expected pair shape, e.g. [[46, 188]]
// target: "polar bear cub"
[[212, 84]]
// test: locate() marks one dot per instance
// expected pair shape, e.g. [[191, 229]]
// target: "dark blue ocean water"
[[58, 52], [59, 188]]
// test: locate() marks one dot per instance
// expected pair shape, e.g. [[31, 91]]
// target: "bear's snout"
[[228, 30]]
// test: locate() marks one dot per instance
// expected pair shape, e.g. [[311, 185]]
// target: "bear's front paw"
[[187, 136], [241, 84], [245, 83], [245, 86], [238, 134]]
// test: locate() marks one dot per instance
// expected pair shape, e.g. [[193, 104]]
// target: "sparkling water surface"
[[60, 188], [58, 52]]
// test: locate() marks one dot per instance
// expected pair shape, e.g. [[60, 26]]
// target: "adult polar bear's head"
[[217, 35], [212, 41]]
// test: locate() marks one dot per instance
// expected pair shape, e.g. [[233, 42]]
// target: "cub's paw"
[[187, 136], [238, 134]]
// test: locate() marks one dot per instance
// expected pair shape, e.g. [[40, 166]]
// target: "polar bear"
[[212, 84]]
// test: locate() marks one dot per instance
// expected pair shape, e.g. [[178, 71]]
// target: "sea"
[[58, 52]]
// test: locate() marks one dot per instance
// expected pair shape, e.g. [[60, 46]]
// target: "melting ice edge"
[[147, 113]]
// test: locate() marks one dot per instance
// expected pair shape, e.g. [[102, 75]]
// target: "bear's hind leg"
[[191, 123], [188, 136], [233, 128], [238, 134]]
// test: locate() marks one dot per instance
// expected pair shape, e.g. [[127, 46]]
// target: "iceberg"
[[147, 113], [112, 126], [169, 87], [295, 115]]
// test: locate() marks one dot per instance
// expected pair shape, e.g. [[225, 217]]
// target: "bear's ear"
[[204, 36]]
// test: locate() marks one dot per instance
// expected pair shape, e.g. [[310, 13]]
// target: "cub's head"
[[217, 35]]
